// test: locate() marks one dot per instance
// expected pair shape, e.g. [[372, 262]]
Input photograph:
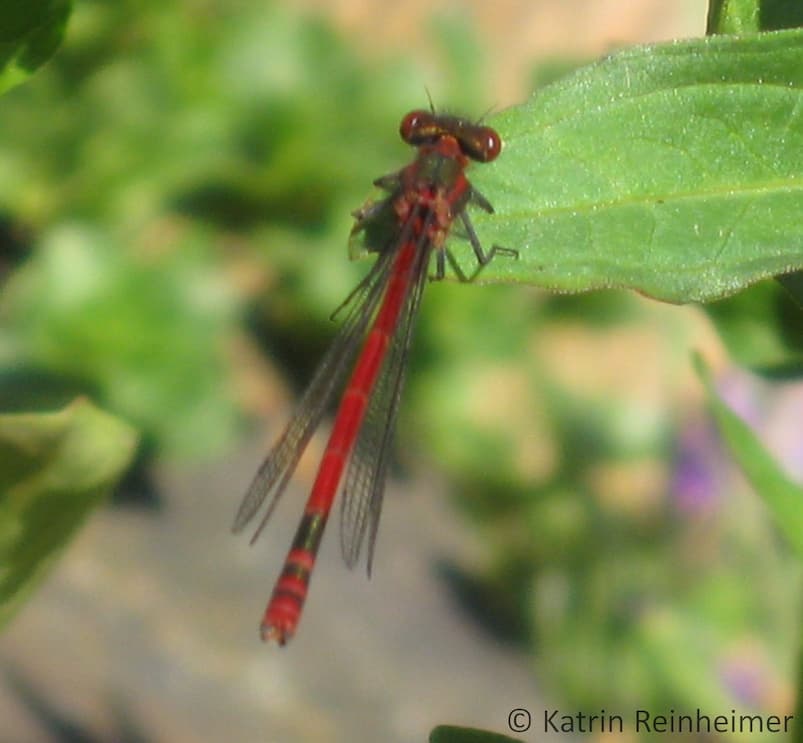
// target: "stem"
[[797, 730]]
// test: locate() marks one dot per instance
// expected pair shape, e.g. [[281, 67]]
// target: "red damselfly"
[[404, 229]]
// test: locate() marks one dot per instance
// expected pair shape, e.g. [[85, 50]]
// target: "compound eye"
[[413, 126], [490, 144]]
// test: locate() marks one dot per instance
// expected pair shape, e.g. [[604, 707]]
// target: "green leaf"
[[675, 170], [145, 335], [454, 734], [54, 469], [783, 497], [30, 32]]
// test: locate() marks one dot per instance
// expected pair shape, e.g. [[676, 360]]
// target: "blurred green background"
[[175, 197]]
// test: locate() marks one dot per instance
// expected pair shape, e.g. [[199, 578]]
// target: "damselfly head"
[[480, 143]]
